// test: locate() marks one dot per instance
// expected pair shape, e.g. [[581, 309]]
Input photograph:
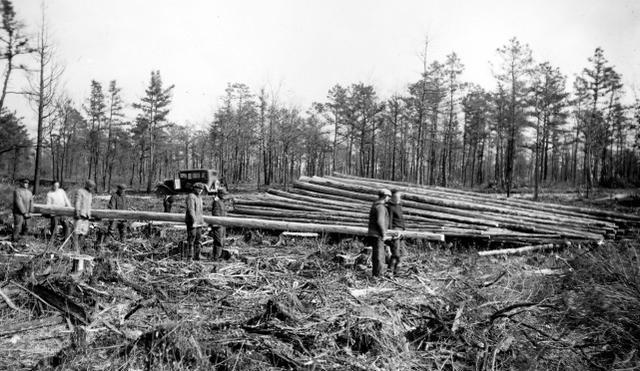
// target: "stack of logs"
[[345, 200]]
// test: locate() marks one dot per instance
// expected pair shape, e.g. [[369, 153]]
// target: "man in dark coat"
[[378, 224], [22, 207], [218, 231], [195, 222], [167, 203], [396, 222], [118, 201]]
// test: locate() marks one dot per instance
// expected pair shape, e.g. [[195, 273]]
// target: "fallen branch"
[[517, 250], [9, 301], [11, 329]]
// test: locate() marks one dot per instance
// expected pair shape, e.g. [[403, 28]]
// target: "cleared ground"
[[295, 305]]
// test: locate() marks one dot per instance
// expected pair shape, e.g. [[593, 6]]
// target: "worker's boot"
[[189, 252], [196, 252]]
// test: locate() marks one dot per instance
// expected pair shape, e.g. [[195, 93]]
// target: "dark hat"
[[24, 180], [199, 186], [122, 186], [384, 192]]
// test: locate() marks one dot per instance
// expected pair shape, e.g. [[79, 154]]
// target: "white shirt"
[[58, 198]]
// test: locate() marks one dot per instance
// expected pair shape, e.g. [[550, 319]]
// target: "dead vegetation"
[[293, 306]]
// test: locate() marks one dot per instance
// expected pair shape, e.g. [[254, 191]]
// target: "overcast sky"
[[299, 49]]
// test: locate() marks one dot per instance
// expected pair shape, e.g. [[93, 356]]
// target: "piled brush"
[[484, 219]]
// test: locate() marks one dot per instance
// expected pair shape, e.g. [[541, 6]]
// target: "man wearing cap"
[[58, 197], [378, 223], [82, 214], [22, 206], [396, 221], [195, 222], [218, 231], [118, 201]]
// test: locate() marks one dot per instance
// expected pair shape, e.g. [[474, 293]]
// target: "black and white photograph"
[[319, 185]]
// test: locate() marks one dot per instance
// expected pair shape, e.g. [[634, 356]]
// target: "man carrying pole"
[[194, 221], [58, 197], [378, 223], [218, 231], [82, 214], [22, 206], [396, 221], [118, 201]]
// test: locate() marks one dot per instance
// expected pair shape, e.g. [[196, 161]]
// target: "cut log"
[[236, 222], [519, 250]]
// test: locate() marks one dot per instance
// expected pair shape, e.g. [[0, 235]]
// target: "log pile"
[[345, 200]]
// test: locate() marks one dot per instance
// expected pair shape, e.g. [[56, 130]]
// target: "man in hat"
[[58, 197], [195, 222], [22, 207], [82, 214], [378, 223], [396, 221], [118, 201], [218, 231]]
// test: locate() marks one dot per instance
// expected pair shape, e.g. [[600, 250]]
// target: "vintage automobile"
[[185, 180]]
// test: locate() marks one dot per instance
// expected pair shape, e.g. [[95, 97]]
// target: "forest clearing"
[[320, 185], [311, 303]]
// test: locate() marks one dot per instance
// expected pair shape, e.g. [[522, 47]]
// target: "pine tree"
[[152, 120]]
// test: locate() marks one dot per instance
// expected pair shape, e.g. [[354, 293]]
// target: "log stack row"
[[345, 200]]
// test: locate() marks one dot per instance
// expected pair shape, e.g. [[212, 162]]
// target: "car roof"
[[198, 170]]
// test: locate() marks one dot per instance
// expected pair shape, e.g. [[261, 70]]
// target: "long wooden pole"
[[235, 222]]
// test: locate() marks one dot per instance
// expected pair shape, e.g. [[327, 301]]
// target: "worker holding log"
[[118, 201], [82, 214], [195, 222], [58, 197], [396, 222], [378, 224], [218, 231], [22, 206]]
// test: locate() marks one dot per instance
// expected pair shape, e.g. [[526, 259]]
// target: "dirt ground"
[[311, 304]]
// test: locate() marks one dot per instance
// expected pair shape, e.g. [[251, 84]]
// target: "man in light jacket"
[[58, 197], [195, 221], [82, 214]]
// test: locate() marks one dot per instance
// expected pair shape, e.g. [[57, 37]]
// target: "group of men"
[[195, 222], [23, 207], [385, 214]]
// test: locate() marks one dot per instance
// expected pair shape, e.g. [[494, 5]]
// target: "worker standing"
[[195, 222], [217, 231], [22, 207], [57, 197], [82, 214], [378, 223], [118, 201], [396, 222], [167, 203]]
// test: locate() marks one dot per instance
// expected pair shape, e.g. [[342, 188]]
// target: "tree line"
[[530, 129]]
